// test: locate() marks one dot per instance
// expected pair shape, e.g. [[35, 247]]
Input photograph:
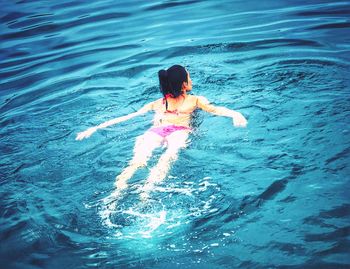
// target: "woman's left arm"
[[238, 119]]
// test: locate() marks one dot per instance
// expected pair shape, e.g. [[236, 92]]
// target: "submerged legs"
[[175, 141], [144, 146]]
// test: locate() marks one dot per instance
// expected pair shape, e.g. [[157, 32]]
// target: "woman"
[[171, 127]]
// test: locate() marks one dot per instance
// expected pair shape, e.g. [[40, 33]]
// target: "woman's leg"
[[175, 141], [144, 146]]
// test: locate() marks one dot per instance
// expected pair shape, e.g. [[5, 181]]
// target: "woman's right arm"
[[87, 133]]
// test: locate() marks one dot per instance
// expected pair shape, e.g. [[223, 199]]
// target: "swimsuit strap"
[[175, 111], [172, 111]]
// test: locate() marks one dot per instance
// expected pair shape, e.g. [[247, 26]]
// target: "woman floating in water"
[[171, 127]]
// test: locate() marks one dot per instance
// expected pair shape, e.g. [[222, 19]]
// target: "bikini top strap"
[[168, 95]]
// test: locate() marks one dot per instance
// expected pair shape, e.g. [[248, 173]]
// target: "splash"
[[169, 209]]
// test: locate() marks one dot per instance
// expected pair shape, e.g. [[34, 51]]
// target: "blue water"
[[273, 195]]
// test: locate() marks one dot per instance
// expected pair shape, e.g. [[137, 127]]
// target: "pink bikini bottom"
[[164, 131]]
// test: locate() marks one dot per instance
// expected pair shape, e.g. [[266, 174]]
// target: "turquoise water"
[[273, 195]]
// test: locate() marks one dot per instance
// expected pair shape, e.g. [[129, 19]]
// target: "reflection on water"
[[235, 197]]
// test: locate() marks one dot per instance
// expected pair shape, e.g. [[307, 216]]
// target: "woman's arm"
[[238, 119], [87, 133]]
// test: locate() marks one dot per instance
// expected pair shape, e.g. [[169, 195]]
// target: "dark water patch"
[[17, 54], [25, 99], [250, 264], [250, 204], [48, 28], [272, 159], [92, 40], [106, 75], [67, 56], [41, 15], [310, 62], [13, 16], [10, 233], [340, 106], [21, 99], [27, 164], [7, 149], [329, 12], [339, 247], [339, 156], [339, 168], [5, 121], [292, 63], [279, 185], [51, 27], [16, 63], [337, 212], [79, 54], [275, 188], [259, 57], [95, 18], [131, 72], [169, 4], [110, 91], [31, 79], [59, 137], [76, 67], [310, 265], [331, 26], [32, 248], [239, 46], [30, 22], [273, 43], [316, 221], [288, 248], [220, 79], [336, 234], [138, 57], [302, 75], [10, 206], [341, 211], [208, 222], [26, 70], [150, 91], [288, 199], [66, 4]]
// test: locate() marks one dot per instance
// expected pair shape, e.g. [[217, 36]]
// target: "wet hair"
[[171, 81]]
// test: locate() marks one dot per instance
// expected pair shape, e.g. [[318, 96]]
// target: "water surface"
[[273, 195]]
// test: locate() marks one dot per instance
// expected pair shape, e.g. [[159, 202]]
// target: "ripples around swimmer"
[[169, 209]]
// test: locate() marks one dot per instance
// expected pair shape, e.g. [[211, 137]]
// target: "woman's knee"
[[139, 161]]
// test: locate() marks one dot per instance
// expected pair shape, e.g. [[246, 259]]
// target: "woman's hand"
[[86, 133], [239, 120]]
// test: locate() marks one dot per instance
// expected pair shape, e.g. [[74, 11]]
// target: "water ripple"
[[278, 187]]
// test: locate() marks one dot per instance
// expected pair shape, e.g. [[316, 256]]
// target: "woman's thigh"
[[177, 140], [147, 142]]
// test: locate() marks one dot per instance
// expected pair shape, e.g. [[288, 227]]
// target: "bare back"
[[178, 113]]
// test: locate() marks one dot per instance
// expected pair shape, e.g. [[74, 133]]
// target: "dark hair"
[[171, 80]]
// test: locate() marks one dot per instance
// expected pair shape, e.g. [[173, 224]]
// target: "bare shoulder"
[[201, 99], [193, 99], [157, 104]]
